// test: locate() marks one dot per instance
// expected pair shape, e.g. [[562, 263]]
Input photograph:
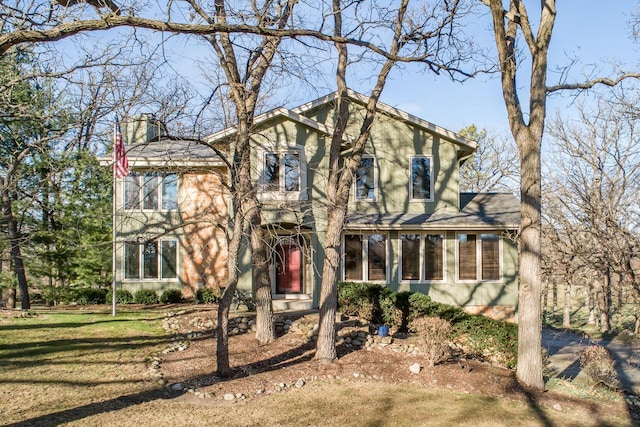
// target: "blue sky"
[[595, 31]]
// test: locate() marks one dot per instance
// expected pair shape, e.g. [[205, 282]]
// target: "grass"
[[88, 368], [59, 360]]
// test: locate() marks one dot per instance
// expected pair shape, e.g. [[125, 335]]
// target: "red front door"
[[289, 270]]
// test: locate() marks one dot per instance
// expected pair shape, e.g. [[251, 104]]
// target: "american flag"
[[120, 162]]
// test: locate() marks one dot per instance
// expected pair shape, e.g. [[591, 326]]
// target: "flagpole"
[[114, 218]]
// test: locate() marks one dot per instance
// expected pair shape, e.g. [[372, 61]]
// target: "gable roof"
[[279, 112], [478, 211], [298, 115], [465, 143]]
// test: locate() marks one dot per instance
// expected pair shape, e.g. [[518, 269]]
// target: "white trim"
[[478, 278], [422, 271], [281, 194], [431, 179], [375, 181], [139, 175], [140, 246], [365, 258]]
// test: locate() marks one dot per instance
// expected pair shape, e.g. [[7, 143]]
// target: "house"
[[409, 227]]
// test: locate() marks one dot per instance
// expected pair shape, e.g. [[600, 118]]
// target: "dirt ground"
[[288, 363]]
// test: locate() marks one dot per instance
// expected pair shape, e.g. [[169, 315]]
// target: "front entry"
[[289, 269]]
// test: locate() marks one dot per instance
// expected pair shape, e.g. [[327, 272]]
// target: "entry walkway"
[[564, 349]]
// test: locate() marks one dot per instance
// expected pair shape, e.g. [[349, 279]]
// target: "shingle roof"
[[478, 211], [171, 152]]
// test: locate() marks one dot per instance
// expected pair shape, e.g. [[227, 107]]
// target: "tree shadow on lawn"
[[116, 404], [288, 358], [13, 355]]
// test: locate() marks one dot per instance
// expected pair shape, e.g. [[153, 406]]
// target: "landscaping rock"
[[415, 368]]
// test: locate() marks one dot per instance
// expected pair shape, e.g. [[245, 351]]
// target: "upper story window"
[[282, 172], [479, 257], [365, 179], [365, 257], [421, 186], [151, 260], [151, 191]]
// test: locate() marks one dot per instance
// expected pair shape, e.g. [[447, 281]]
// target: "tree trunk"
[[326, 344], [554, 314], [265, 326], [16, 253], [11, 297], [590, 306], [566, 316], [603, 301], [529, 368]]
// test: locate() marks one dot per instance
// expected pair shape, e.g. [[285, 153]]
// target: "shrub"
[[207, 295], [599, 366], [395, 309], [436, 334], [360, 299], [123, 296], [84, 296], [55, 295], [145, 296], [496, 340], [171, 296]]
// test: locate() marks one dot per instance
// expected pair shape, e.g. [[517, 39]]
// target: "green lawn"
[[89, 368]]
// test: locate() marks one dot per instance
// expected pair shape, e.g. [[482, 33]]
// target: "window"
[[151, 260], [365, 257], [282, 172], [421, 178], [479, 257], [365, 179], [422, 257], [151, 191]]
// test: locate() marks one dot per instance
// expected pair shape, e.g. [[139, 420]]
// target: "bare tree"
[[595, 175], [437, 23], [493, 166], [527, 126]]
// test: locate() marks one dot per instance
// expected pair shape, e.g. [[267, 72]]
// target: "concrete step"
[[292, 304]]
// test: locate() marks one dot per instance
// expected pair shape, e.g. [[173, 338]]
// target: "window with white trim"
[[151, 191], [479, 257], [365, 179], [422, 257], [421, 185], [282, 172], [157, 259], [365, 257]]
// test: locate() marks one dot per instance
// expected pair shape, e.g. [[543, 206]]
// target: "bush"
[[360, 299], [395, 309], [84, 296], [488, 338], [436, 334], [145, 296], [55, 295], [599, 366], [171, 296], [123, 296], [207, 295]]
